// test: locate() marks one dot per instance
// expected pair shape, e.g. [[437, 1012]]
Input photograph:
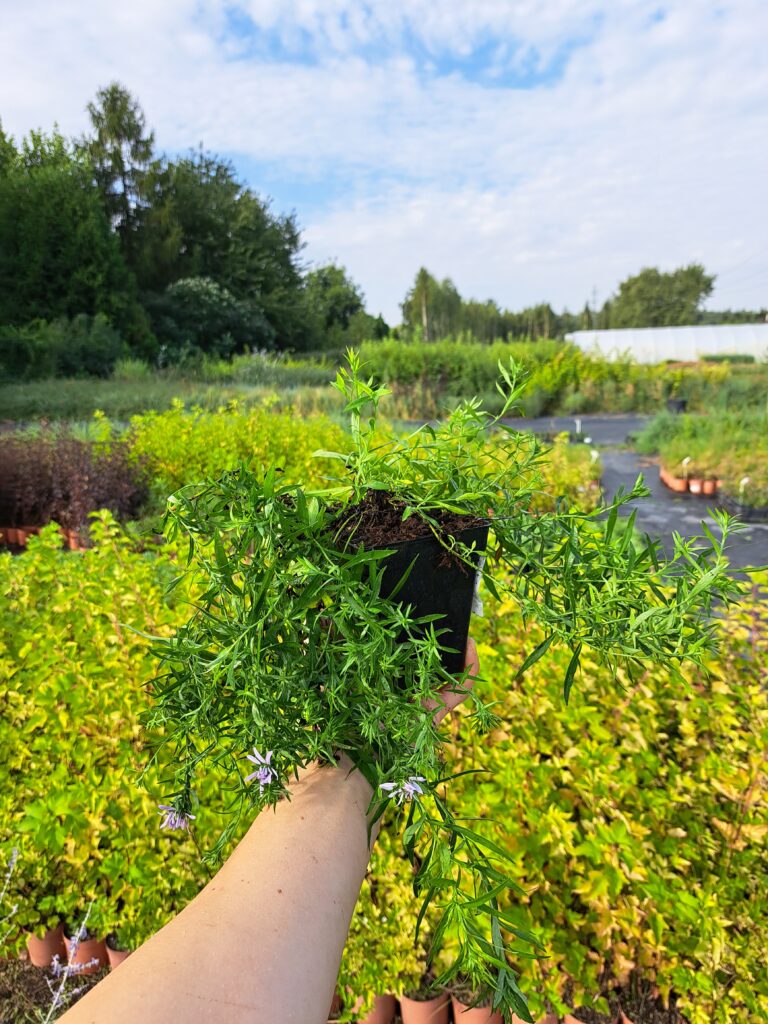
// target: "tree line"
[[434, 309], [108, 248], [111, 249]]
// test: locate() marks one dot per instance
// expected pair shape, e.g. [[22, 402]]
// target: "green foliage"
[[434, 309], [82, 223], [201, 222], [382, 953], [333, 299], [731, 447], [71, 689], [257, 666], [82, 346], [656, 299], [197, 314], [58, 256], [120, 151], [182, 446], [728, 359], [636, 817], [427, 378]]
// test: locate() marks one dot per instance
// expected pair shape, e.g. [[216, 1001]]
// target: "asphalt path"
[[664, 512]]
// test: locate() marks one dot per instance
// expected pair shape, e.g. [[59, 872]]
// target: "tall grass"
[[426, 380]]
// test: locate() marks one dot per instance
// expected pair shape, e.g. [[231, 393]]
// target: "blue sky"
[[528, 149]]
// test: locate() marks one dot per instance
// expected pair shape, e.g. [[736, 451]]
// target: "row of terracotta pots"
[[17, 536], [56, 943], [437, 1011], [706, 486]]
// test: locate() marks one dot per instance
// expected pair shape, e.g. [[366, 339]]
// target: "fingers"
[[452, 695]]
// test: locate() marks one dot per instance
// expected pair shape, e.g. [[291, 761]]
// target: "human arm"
[[262, 942]]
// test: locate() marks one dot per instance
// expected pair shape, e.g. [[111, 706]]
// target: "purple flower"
[[264, 772], [174, 819], [404, 790]]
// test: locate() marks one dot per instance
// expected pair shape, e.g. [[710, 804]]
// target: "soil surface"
[[377, 522], [24, 990], [638, 1008]]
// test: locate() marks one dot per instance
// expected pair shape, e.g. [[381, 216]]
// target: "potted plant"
[[472, 1007], [117, 951], [357, 596], [425, 1004]]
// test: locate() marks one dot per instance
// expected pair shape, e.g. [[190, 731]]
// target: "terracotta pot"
[[11, 535], [674, 483], [89, 949], [476, 1015], [695, 485], [116, 956], [709, 487], [383, 1011], [429, 1011], [71, 539], [42, 951]]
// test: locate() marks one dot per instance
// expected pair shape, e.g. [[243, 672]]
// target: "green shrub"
[[381, 954], [82, 346], [71, 689], [735, 358], [132, 370], [730, 446], [182, 445], [638, 817], [196, 315]]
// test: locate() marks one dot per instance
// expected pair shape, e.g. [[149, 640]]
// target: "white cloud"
[[650, 149]]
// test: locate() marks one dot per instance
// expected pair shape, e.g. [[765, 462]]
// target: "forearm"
[[263, 940]]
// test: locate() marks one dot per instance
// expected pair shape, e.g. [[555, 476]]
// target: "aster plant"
[[299, 648]]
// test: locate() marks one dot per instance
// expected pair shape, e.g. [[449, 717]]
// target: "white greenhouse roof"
[[655, 344]]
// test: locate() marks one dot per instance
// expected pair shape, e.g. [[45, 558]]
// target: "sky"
[[530, 150]]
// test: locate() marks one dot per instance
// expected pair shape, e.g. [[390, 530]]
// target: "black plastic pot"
[[677, 404], [438, 585]]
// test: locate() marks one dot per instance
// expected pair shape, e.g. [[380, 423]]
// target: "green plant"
[[635, 818], [273, 562], [384, 924], [729, 446], [71, 740], [183, 446]]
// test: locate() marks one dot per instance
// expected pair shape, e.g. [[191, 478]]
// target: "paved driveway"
[[663, 512]]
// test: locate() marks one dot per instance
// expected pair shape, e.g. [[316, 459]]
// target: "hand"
[[452, 696]]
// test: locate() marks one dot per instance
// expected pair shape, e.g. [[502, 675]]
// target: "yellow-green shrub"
[[638, 816], [71, 690], [381, 955], [182, 445]]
